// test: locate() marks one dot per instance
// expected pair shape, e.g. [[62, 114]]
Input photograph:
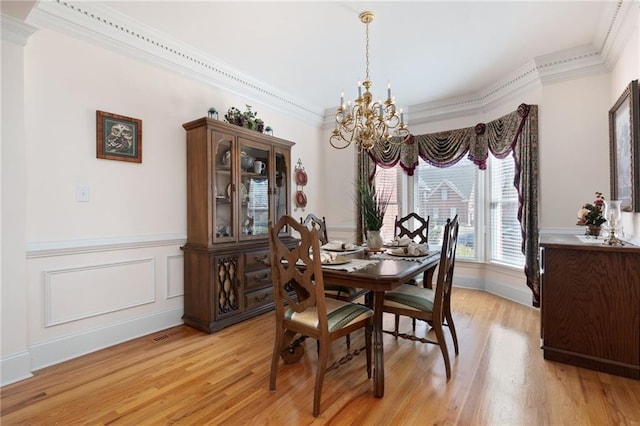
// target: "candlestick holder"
[[613, 215]]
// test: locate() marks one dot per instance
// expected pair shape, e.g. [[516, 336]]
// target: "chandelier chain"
[[367, 51]]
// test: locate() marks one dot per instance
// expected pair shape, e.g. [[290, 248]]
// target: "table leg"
[[378, 350]]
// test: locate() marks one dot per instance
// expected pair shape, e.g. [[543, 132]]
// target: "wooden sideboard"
[[591, 304]]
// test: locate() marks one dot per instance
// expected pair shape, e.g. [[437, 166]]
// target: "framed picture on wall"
[[118, 137], [624, 125]]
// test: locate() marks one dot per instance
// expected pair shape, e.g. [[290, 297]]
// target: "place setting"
[[408, 251], [341, 247]]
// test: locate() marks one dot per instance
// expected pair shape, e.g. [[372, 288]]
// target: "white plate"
[[407, 255], [243, 192], [338, 261]]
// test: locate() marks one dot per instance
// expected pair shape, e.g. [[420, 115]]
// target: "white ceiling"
[[440, 56], [429, 50]]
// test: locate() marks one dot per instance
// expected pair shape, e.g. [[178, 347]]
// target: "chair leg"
[[443, 347], [367, 342], [452, 327], [397, 326], [322, 367], [275, 358]]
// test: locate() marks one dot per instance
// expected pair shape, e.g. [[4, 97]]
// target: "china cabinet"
[[237, 180], [591, 304]]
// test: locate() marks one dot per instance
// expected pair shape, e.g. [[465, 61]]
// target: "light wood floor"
[[182, 376]]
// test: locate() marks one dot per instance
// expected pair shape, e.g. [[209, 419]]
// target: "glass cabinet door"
[[255, 170], [223, 183], [282, 178]]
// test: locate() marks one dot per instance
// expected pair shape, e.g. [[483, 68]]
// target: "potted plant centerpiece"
[[374, 206]]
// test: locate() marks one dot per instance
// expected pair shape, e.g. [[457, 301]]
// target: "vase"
[[593, 230], [374, 240]]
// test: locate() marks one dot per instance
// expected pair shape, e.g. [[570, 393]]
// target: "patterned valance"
[[515, 133]]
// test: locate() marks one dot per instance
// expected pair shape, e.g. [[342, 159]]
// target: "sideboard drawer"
[[258, 259], [258, 298], [257, 279]]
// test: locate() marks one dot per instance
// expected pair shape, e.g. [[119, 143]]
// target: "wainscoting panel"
[[76, 293], [175, 276]]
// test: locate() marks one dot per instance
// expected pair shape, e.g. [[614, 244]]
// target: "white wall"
[[626, 70], [108, 270], [15, 363]]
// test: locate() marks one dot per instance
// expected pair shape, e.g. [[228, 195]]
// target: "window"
[[387, 183], [504, 228], [441, 193]]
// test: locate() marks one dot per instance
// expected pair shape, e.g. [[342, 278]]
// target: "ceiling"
[[428, 50], [308, 52]]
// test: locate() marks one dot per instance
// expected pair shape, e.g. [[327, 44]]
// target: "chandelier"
[[366, 123]]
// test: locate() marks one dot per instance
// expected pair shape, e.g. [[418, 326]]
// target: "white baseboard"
[[15, 367], [518, 295], [44, 354]]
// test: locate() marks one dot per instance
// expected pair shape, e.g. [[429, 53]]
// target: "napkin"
[[412, 249], [401, 241], [339, 245], [327, 257]]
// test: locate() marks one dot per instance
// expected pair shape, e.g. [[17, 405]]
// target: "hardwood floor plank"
[[185, 377]]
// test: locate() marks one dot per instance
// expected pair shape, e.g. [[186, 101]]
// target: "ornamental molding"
[[111, 29], [16, 31]]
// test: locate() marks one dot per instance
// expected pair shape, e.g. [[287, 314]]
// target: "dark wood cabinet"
[[591, 304], [237, 180]]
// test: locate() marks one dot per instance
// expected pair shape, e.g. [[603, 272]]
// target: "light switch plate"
[[82, 193]]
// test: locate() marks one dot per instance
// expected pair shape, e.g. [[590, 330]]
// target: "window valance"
[[515, 133]]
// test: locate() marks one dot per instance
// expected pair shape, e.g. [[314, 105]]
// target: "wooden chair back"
[[320, 224], [287, 274], [442, 299], [403, 227]]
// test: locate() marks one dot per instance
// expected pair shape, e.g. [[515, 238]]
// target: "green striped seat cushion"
[[410, 297], [339, 314], [338, 291]]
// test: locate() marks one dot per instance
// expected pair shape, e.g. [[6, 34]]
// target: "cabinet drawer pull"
[[264, 259], [262, 278], [262, 298]]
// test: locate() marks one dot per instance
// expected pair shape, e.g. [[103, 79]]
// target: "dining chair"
[[301, 307], [432, 306], [345, 293], [321, 225], [403, 227]]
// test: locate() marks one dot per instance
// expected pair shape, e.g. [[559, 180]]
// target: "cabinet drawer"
[[258, 259], [258, 298], [257, 279]]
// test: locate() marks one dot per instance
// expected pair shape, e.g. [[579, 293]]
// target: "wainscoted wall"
[[93, 294]]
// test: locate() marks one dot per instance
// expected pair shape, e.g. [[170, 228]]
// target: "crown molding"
[[113, 30], [107, 27], [16, 31]]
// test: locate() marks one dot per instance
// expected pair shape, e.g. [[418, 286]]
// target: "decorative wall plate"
[[301, 177], [301, 199]]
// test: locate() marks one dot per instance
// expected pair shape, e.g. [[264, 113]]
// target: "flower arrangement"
[[374, 205], [591, 214], [246, 119]]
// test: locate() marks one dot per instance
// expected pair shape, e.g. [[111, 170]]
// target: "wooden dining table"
[[384, 275]]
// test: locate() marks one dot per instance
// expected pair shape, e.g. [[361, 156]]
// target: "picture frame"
[[624, 149], [118, 137]]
